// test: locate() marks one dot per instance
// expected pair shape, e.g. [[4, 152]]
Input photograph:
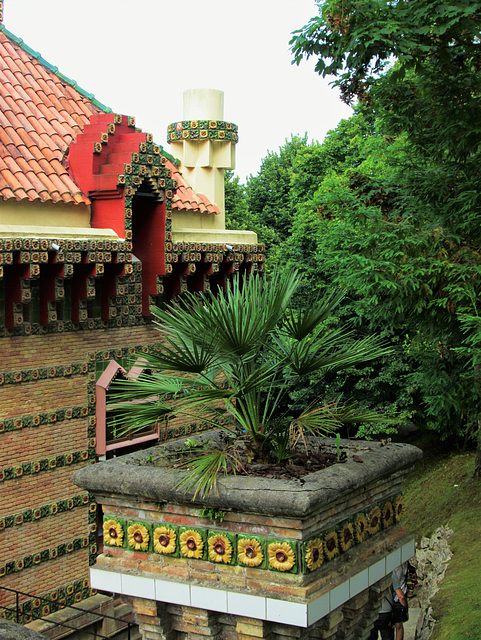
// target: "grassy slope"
[[439, 492]]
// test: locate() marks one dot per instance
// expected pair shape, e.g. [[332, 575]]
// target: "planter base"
[[309, 558], [353, 620]]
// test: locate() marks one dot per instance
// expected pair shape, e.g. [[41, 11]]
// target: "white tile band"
[[223, 601]]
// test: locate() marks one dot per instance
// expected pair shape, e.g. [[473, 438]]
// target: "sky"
[[139, 56]]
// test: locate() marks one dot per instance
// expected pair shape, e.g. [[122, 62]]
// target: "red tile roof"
[[185, 198], [39, 118], [41, 113]]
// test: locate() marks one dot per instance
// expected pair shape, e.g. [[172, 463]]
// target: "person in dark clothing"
[[386, 622]]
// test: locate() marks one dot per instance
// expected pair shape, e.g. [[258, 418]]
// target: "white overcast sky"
[[138, 56]]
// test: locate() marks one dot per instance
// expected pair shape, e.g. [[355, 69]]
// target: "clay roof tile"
[[41, 113]]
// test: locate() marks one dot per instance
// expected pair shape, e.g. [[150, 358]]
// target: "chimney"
[[205, 144]]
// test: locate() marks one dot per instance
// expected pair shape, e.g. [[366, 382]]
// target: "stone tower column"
[[205, 144]]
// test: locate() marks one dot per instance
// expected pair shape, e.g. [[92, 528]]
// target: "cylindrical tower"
[[205, 144]]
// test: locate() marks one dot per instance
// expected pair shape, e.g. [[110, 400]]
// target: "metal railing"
[[125, 625]]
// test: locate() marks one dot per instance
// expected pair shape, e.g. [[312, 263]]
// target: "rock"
[[431, 562], [12, 631], [424, 544]]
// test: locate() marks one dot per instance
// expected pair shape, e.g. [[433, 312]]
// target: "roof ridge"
[[54, 69]]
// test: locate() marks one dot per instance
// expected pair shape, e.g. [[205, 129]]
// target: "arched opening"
[[148, 237]]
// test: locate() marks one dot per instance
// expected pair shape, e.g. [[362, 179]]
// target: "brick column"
[[198, 624], [250, 628], [153, 620]]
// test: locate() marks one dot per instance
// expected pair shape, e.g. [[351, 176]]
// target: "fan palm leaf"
[[233, 360]]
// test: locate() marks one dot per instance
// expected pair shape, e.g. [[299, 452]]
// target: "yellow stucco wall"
[[43, 214]]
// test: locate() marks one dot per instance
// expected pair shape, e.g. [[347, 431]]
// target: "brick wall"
[[46, 440], [47, 427]]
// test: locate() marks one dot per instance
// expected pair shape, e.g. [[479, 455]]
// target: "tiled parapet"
[[288, 552]]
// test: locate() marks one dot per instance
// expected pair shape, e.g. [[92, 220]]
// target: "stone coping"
[[142, 476], [300, 614]]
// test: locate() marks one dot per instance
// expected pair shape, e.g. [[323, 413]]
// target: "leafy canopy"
[[357, 40], [401, 230]]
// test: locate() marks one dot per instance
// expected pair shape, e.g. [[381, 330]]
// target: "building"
[[97, 223]]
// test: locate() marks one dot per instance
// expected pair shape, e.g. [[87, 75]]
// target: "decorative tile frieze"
[[44, 511], [50, 602], [45, 464], [42, 373], [203, 129], [253, 551], [33, 559], [46, 417]]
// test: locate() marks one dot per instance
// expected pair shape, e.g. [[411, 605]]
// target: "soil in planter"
[[300, 465]]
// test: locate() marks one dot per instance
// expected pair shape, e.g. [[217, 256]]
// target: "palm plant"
[[231, 360]]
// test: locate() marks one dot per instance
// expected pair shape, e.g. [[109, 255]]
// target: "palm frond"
[[134, 417], [319, 419], [188, 356], [299, 323], [331, 352], [329, 417], [203, 469], [146, 386]]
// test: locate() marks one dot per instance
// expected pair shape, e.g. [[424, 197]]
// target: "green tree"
[[407, 236], [268, 193], [357, 40], [236, 211]]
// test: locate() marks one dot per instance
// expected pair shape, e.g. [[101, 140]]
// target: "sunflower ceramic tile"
[[251, 551], [221, 547], [312, 554], [165, 540], [139, 535], [114, 532], [193, 543], [282, 555]]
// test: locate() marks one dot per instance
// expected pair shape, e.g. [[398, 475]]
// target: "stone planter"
[[277, 559]]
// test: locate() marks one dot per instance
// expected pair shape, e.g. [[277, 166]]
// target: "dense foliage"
[[263, 205], [389, 205]]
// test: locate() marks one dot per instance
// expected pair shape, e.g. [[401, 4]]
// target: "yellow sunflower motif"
[[387, 515], [250, 552], [113, 533], [281, 556], [220, 549], [374, 521], [191, 544], [331, 545], [138, 537], [360, 527], [346, 536], [164, 540], [399, 507], [314, 554]]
